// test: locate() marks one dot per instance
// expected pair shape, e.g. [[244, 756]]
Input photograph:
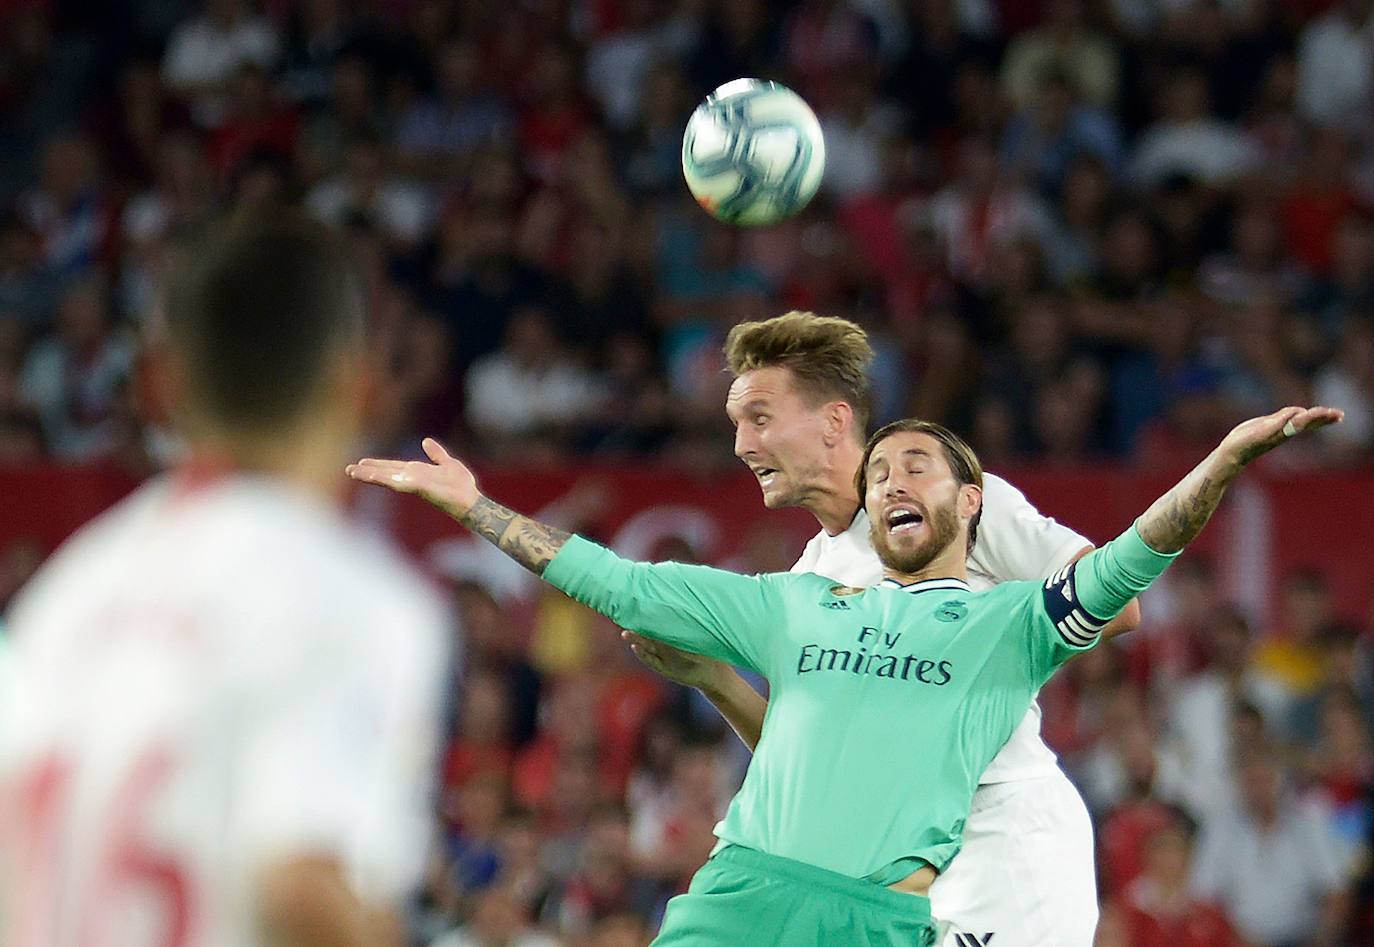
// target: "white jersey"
[[206, 680], [1014, 542]]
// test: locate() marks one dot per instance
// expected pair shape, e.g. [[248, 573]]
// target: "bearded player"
[[887, 702], [798, 403], [224, 698]]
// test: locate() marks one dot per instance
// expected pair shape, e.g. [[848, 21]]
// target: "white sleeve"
[[1015, 542], [340, 761]]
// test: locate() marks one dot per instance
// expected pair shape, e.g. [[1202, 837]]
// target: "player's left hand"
[[690, 670], [1258, 436], [447, 482]]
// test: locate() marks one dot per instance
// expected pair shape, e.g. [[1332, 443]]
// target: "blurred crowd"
[[1076, 229]]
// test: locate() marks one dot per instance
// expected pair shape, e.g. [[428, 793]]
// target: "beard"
[[943, 523]]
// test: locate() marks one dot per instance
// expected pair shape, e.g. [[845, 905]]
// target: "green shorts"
[[744, 898]]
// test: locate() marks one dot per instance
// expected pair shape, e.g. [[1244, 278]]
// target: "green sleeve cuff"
[[577, 558], [1136, 550]]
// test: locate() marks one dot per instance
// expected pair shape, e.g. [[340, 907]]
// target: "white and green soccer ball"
[[753, 153]]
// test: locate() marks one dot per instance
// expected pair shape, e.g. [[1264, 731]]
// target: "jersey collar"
[[927, 585]]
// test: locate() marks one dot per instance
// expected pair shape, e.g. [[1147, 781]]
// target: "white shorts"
[[1026, 870]]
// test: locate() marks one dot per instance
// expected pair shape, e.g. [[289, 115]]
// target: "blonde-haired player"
[[223, 697], [799, 403]]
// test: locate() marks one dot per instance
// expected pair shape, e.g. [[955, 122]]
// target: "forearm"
[[742, 707], [1175, 519], [528, 542]]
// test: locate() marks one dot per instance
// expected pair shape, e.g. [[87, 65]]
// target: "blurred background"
[[1088, 234]]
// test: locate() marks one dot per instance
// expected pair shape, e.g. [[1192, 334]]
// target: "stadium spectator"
[[206, 52], [982, 211], [131, 131], [1336, 64], [1291, 656], [1064, 43], [1238, 852], [498, 918], [67, 209], [351, 113], [366, 192], [1189, 139], [437, 137], [1203, 704], [531, 389], [1054, 130], [1158, 908], [74, 379]]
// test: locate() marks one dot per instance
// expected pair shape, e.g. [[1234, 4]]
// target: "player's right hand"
[[690, 670], [447, 482], [1257, 436]]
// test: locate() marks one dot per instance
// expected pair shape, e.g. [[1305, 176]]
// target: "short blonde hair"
[[962, 459], [828, 357]]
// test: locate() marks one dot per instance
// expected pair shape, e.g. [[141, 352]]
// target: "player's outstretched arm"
[[741, 706], [1107, 578], [709, 611], [1175, 519], [1080, 599], [448, 484]]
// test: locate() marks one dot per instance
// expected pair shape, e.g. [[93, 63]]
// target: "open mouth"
[[903, 519], [764, 473]]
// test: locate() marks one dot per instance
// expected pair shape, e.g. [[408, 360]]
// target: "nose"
[[744, 441]]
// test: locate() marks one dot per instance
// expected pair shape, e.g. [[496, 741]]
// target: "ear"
[[970, 500], [839, 422]]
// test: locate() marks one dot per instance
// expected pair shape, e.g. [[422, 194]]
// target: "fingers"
[[435, 451], [639, 642], [646, 649], [382, 476], [1303, 419], [369, 463]]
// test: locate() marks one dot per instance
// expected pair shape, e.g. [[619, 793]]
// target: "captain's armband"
[[1076, 625]]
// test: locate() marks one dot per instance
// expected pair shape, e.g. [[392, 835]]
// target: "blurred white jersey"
[[1026, 815], [206, 679]]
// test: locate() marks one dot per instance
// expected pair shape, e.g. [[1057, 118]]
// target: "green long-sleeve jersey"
[[886, 704]]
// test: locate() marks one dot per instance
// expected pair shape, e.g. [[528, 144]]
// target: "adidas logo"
[[841, 605]]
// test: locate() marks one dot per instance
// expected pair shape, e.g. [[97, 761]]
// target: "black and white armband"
[[1076, 625]]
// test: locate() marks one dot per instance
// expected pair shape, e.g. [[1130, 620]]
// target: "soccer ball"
[[753, 153]]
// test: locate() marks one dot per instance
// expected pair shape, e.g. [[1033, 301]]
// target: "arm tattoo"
[[531, 544], [1175, 519]]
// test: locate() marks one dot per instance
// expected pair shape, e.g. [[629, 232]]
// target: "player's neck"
[[834, 511], [834, 502], [308, 463], [951, 563]]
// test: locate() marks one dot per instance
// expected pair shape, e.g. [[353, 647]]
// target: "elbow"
[[1127, 620]]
